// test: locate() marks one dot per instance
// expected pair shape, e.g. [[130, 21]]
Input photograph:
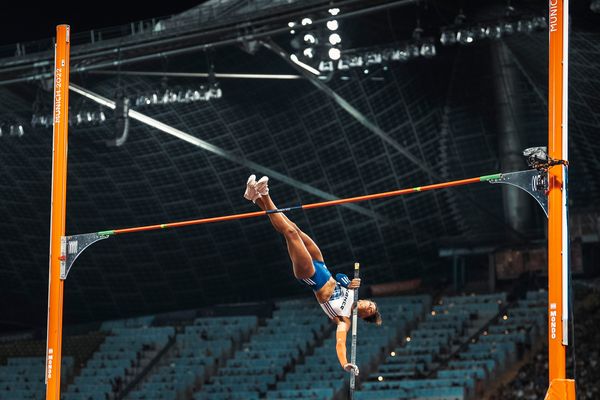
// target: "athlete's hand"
[[353, 368], [354, 284]]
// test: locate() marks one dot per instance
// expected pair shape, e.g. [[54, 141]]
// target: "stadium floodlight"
[[479, 32], [428, 49], [16, 130], [343, 64], [326, 66], [306, 21], [355, 61], [525, 26], [310, 38], [493, 32], [332, 25], [413, 50], [465, 36], [373, 58], [334, 11], [447, 37], [401, 54], [214, 92], [334, 53], [539, 23], [335, 38], [308, 52], [508, 28]]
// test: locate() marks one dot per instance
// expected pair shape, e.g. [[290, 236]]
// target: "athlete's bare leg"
[[297, 249], [310, 244]]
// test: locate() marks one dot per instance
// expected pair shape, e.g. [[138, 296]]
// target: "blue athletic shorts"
[[319, 279]]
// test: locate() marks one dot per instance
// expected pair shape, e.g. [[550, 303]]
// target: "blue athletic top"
[[341, 300]]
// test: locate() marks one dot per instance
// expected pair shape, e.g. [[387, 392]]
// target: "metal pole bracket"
[[73, 246], [532, 181]]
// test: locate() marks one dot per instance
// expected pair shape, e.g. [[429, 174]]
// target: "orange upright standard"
[[559, 388], [58, 212]]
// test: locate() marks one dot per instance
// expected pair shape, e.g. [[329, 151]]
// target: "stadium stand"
[[197, 352], [321, 370], [447, 351], [23, 377], [125, 351], [291, 332], [530, 381], [414, 369]]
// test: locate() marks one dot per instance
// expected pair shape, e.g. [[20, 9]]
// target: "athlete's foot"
[[251, 193], [262, 186]]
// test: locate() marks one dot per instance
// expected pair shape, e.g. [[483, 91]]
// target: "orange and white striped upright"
[[559, 388], [58, 211]]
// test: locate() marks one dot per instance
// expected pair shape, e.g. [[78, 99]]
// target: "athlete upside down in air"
[[335, 296]]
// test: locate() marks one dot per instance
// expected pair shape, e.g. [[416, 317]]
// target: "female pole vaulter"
[[335, 296]]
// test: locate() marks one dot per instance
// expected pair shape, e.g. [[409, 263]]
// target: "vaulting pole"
[[58, 212], [558, 242], [354, 332]]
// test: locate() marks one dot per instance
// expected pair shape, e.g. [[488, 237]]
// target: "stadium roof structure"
[[442, 109]]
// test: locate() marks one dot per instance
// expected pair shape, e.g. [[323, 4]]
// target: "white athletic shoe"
[[262, 186], [251, 193]]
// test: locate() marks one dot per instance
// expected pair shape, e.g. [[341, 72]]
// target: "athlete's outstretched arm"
[[340, 346]]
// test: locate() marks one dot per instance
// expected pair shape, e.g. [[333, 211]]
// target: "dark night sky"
[[24, 21]]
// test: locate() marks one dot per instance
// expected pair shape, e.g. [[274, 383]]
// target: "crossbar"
[[400, 192]]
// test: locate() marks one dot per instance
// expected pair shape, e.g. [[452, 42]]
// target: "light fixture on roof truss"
[[326, 66], [41, 120], [373, 58], [355, 61], [413, 50], [525, 26], [180, 95], [493, 31], [508, 28], [332, 25], [465, 36], [447, 37], [335, 38], [334, 53], [14, 129], [539, 23], [310, 38], [479, 32], [400, 54], [17, 130], [309, 52], [428, 49]]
